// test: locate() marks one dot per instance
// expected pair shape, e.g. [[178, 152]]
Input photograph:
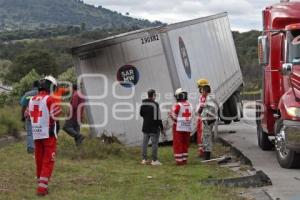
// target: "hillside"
[[246, 47], [30, 14]]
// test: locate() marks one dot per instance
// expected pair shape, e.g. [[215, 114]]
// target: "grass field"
[[110, 172]]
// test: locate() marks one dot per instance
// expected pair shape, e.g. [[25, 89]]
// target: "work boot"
[[42, 189], [79, 139], [207, 155]]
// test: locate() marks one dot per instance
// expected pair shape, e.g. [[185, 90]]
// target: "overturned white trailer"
[[117, 72]]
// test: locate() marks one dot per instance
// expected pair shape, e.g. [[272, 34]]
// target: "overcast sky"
[[244, 14]]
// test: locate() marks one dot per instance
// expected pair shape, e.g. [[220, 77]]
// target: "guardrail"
[[251, 96]]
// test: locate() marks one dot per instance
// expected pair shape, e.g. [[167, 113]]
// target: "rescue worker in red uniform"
[[202, 98], [42, 110], [181, 115]]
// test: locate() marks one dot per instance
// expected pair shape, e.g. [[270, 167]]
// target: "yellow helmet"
[[202, 82]]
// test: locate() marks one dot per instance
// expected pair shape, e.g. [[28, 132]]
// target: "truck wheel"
[[286, 158], [235, 108], [262, 138], [225, 113]]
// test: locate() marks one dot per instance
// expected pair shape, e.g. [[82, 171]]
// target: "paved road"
[[286, 182]]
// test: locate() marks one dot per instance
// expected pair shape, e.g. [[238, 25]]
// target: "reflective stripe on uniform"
[[178, 155], [185, 155], [44, 179], [43, 185], [56, 111], [173, 116]]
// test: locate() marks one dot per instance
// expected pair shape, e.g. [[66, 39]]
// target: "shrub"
[[10, 123], [4, 99]]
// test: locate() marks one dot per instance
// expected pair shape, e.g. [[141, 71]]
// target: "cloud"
[[234, 7], [243, 14]]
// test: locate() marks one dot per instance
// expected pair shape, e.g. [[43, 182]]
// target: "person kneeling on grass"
[[152, 125]]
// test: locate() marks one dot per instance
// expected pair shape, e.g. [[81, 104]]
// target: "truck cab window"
[[293, 45]]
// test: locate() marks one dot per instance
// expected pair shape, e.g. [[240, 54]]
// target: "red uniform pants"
[[181, 142], [44, 157], [200, 138]]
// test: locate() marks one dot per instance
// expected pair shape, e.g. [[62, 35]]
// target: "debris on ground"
[[259, 179], [220, 160]]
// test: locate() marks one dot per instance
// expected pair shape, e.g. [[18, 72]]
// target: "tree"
[[82, 27], [40, 60], [24, 84], [69, 75], [4, 68]]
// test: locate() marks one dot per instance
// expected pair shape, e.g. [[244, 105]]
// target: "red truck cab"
[[278, 113]]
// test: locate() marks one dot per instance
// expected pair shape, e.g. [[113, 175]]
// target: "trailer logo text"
[[128, 76], [185, 58]]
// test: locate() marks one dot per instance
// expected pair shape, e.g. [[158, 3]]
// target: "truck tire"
[[262, 139], [286, 158], [225, 113], [235, 108]]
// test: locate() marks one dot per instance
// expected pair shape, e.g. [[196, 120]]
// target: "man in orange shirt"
[[59, 95]]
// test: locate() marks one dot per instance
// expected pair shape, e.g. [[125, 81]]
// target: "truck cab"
[[278, 112]]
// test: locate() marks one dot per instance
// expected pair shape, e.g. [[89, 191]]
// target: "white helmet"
[[51, 79], [179, 91]]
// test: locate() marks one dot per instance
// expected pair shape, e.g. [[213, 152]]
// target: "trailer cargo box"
[[117, 72]]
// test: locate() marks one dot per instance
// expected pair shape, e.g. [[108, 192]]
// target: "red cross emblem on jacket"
[[36, 113], [187, 114]]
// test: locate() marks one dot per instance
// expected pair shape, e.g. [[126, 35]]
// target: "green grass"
[[108, 172]]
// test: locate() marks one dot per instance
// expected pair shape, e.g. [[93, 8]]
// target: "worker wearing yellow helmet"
[[200, 83], [207, 110]]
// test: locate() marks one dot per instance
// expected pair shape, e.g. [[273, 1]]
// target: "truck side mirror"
[[263, 50], [287, 68]]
